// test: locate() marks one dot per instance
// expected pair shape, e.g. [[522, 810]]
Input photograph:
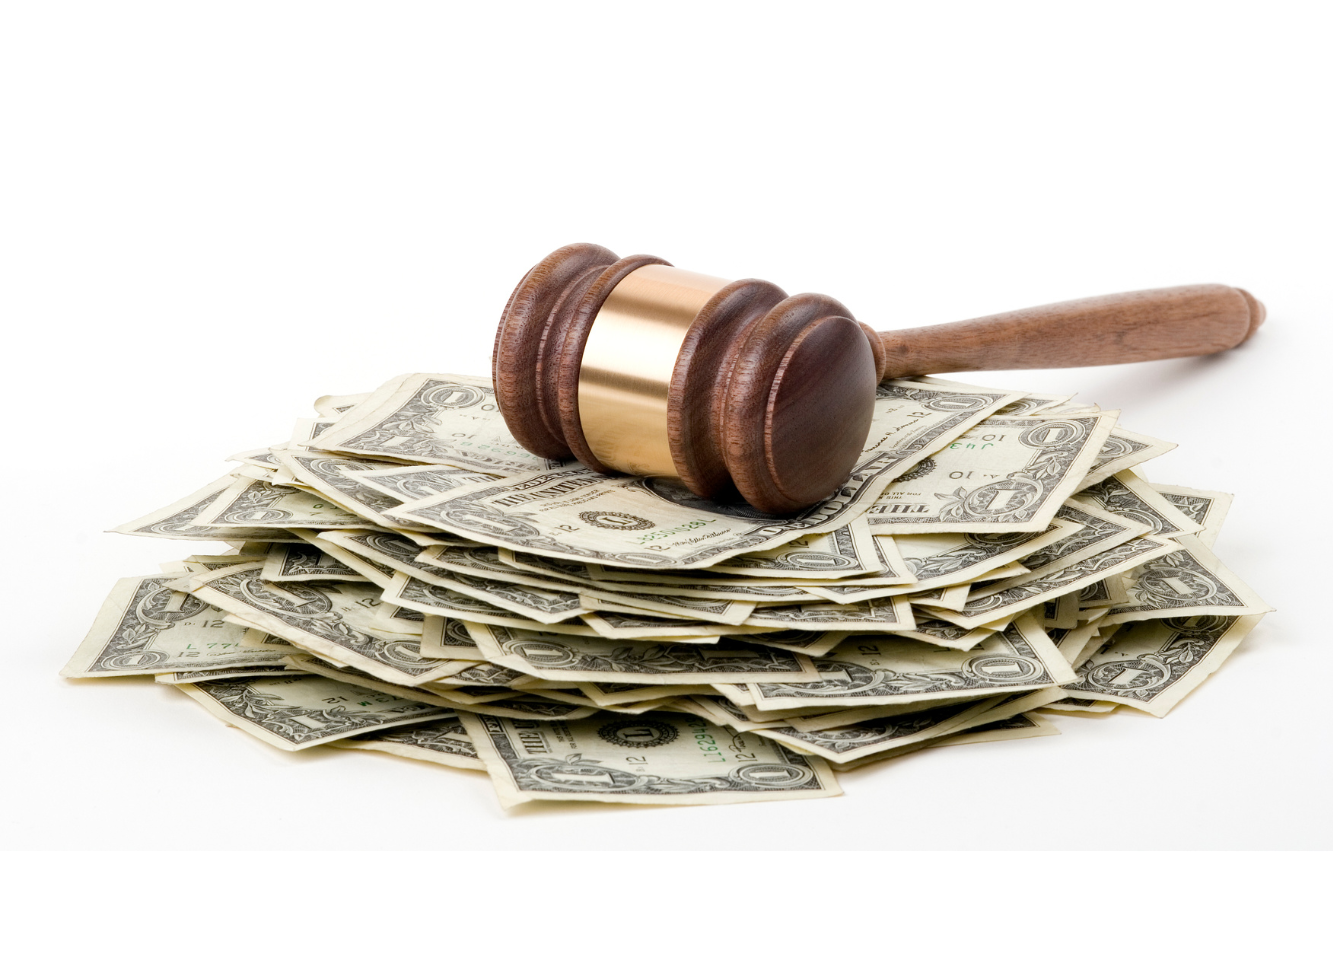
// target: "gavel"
[[632, 365]]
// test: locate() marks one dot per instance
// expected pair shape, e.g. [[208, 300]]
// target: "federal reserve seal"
[[637, 733]]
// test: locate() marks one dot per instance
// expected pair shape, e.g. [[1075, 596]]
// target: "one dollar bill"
[[654, 759]]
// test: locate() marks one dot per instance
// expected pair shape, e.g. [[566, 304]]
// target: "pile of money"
[[404, 578]]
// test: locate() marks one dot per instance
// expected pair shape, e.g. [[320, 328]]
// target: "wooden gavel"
[[633, 365]]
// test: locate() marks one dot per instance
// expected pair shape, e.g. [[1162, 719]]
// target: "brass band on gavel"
[[628, 363], [731, 386]]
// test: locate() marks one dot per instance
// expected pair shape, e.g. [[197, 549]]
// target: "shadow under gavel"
[[633, 365]]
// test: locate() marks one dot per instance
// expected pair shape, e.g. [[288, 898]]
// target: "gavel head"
[[631, 365]]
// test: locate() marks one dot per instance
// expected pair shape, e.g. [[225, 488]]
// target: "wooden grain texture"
[[1120, 328], [877, 347], [696, 409], [527, 401], [799, 404]]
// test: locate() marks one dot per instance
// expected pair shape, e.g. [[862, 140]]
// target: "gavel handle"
[[1179, 321]]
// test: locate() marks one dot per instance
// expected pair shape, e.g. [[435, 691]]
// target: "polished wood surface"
[[698, 412], [524, 344], [1120, 328], [798, 403], [771, 396]]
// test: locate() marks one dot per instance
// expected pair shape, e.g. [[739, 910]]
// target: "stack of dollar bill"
[[405, 578]]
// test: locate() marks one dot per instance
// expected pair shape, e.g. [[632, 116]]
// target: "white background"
[[215, 213]]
